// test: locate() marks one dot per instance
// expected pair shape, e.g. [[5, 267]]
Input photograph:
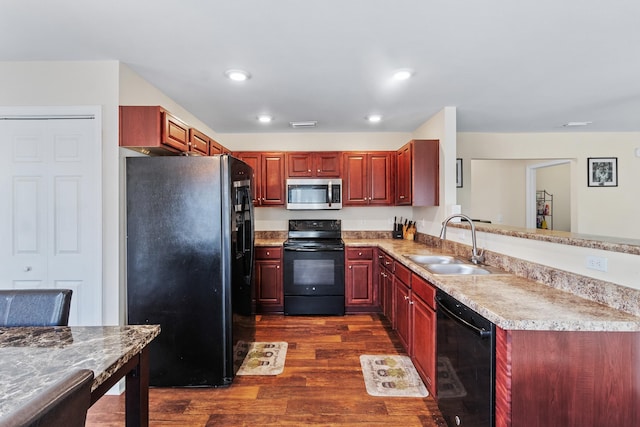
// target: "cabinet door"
[[327, 165], [175, 133], [403, 314], [355, 189], [387, 294], [198, 142], [254, 160], [215, 148], [269, 293], [403, 168], [273, 183], [380, 177], [424, 344], [299, 165], [425, 171], [359, 284]]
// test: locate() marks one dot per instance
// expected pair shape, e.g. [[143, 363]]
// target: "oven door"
[[313, 272]]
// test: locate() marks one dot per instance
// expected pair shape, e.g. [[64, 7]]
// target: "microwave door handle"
[[330, 193]]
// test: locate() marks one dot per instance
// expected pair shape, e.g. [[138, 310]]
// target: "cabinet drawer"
[[359, 253], [424, 290], [385, 261], [403, 273], [268, 252]]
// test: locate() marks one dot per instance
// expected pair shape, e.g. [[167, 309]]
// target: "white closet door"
[[50, 233]]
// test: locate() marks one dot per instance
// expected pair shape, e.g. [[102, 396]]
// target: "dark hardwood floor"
[[321, 384]]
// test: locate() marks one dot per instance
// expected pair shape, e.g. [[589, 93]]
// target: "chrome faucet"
[[476, 258]]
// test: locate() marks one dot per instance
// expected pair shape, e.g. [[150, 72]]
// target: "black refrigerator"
[[190, 239]]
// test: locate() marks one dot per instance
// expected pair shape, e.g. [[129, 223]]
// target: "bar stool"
[[35, 307]]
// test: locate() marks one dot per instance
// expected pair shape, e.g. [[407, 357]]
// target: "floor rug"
[[449, 385], [387, 376], [262, 358]]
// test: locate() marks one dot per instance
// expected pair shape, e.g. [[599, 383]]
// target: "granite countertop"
[[509, 301], [36, 357]]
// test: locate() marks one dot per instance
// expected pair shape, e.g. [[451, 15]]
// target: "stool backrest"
[[35, 307]]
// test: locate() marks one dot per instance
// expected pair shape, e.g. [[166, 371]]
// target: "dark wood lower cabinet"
[[360, 293], [403, 314], [424, 330], [569, 379], [268, 280]]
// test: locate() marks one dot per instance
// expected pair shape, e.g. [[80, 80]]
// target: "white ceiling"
[[508, 66]]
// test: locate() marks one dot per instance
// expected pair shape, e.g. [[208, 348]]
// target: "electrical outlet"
[[597, 263]]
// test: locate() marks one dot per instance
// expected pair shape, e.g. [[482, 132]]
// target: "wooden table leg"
[[137, 392]]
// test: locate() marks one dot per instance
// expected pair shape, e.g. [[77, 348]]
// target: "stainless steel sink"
[[456, 269], [433, 259]]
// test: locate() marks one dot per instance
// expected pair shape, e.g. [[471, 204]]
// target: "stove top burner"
[[314, 244], [314, 235]]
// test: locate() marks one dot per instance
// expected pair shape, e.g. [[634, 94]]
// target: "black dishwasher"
[[465, 364]]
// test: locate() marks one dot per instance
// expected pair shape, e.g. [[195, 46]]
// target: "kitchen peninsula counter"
[[510, 301]]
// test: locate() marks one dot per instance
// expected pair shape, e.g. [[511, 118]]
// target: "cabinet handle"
[[350, 267], [410, 302], [268, 253], [318, 170], [406, 297], [277, 266], [387, 263], [380, 257], [402, 197], [359, 253]]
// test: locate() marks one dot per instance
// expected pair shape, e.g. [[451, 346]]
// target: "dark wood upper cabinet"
[[418, 173], [152, 130], [313, 164], [198, 142], [155, 131], [367, 178], [269, 181], [215, 148], [273, 181]]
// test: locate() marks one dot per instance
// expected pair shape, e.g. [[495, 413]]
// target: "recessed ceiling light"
[[237, 75], [571, 124], [374, 118], [403, 74], [264, 118]]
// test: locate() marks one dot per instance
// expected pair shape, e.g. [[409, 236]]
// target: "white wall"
[[498, 191], [134, 90], [609, 211], [441, 126], [601, 211], [77, 84]]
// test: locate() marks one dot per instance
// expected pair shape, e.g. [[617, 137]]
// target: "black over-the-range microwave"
[[314, 193]]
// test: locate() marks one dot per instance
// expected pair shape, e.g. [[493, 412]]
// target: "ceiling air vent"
[[301, 125]]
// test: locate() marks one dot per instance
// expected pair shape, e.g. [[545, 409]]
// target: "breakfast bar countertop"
[[36, 357], [510, 301]]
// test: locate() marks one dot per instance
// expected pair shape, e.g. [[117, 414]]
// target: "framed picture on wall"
[[459, 173], [602, 171]]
